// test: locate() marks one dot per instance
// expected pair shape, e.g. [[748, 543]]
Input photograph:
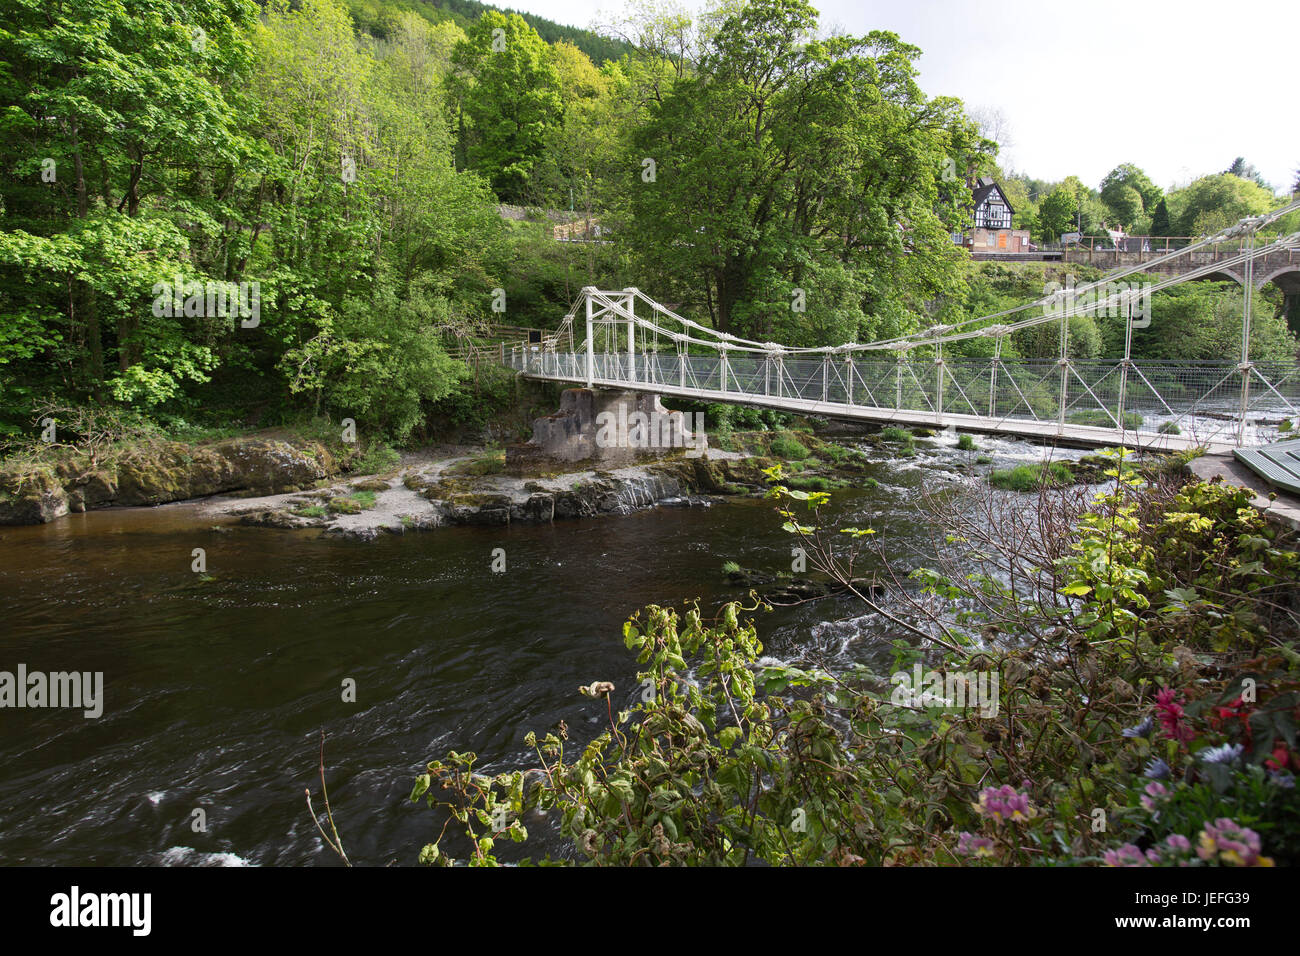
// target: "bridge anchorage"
[[633, 342]]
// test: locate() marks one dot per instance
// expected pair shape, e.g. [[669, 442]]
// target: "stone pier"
[[607, 428]]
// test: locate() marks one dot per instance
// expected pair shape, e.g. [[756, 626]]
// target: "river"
[[217, 687]]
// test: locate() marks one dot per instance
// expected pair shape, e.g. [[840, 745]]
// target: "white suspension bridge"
[[633, 342]]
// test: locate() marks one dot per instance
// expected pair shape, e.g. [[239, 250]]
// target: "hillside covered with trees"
[[240, 215]]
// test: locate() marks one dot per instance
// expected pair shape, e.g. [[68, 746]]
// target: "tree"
[[1247, 171], [1160, 218], [1126, 176], [376, 241], [1124, 203], [510, 97], [791, 163], [1214, 202], [108, 106], [1056, 213]]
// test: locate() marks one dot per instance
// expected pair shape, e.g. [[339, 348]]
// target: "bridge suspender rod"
[[898, 381], [826, 376], [591, 343], [1064, 363], [1245, 366], [938, 384], [848, 364], [993, 377], [631, 337], [1128, 360]]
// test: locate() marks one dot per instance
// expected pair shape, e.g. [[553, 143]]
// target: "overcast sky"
[[1179, 87]]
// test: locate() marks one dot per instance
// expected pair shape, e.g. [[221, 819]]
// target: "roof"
[[983, 188]]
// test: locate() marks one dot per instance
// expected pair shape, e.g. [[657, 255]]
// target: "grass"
[[966, 442], [839, 454], [1102, 419], [1169, 428], [378, 458], [352, 504], [788, 447], [1054, 474], [893, 433], [492, 462], [730, 567], [310, 511], [812, 483]]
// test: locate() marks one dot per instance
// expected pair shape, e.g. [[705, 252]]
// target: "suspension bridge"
[[634, 343]]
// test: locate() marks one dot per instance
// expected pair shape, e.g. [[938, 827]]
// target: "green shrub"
[[352, 504], [811, 483], [1054, 474], [786, 446], [1101, 419], [966, 442], [491, 462], [378, 457], [892, 433], [711, 771], [1169, 428]]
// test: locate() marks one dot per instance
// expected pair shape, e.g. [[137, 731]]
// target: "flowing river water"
[[217, 688]]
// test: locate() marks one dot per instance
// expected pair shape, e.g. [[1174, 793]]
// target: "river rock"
[[31, 499], [163, 472]]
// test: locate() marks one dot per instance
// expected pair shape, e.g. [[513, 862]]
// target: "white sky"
[[1179, 87]]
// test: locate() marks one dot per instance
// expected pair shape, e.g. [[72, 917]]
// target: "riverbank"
[[292, 480]]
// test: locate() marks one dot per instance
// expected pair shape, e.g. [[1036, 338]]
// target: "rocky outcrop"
[[31, 498], [161, 473]]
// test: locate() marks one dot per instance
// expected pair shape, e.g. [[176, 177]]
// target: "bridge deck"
[[1045, 431]]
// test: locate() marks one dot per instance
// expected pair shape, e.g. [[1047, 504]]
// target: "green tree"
[[1212, 203], [1160, 224], [510, 100], [121, 136], [1056, 213], [789, 161], [1124, 204], [1247, 171], [1127, 175]]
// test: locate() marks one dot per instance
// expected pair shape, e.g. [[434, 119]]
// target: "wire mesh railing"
[[1206, 401]]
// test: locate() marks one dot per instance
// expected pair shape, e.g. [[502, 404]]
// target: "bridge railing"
[[1202, 401]]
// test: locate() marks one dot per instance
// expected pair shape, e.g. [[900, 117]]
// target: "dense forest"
[[234, 213]]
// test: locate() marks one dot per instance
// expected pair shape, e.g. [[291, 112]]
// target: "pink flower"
[[1005, 803], [1127, 855], [977, 846], [1224, 841]]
